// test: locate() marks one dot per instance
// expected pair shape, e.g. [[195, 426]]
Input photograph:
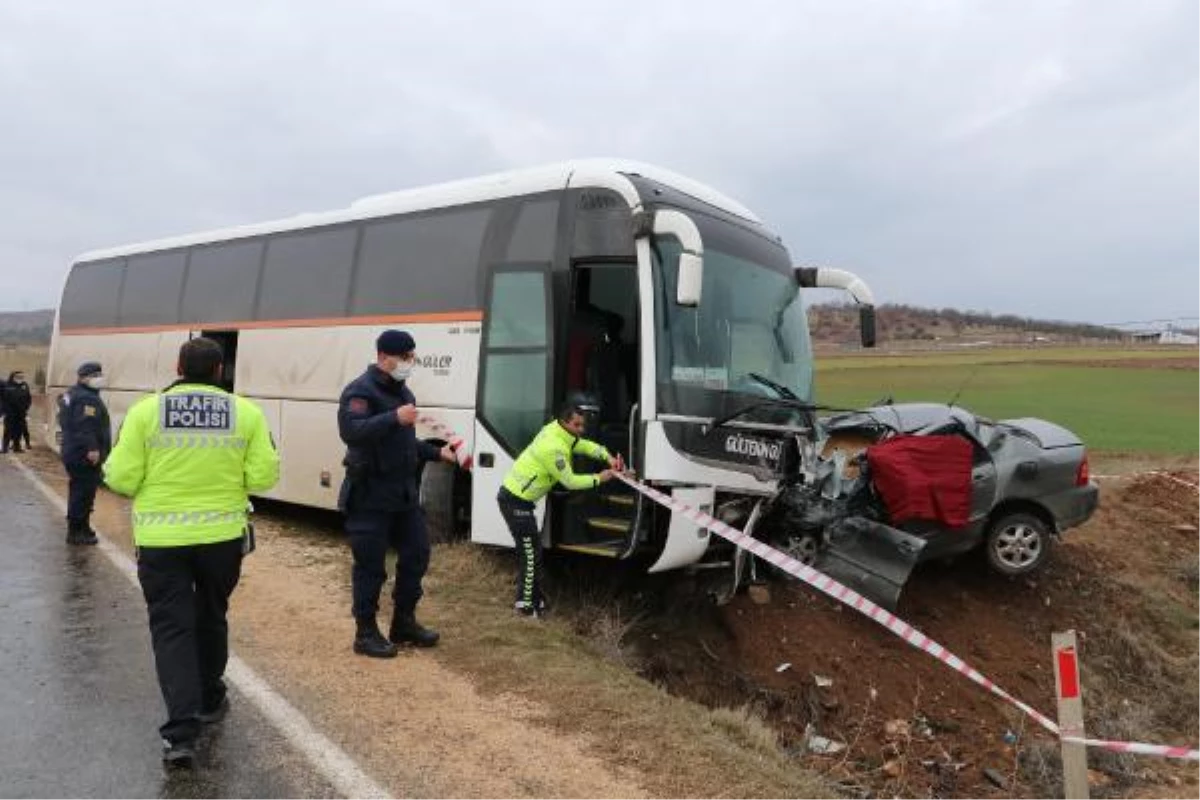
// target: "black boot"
[[368, 641], [179, 755], [406, 630], [78, 533]]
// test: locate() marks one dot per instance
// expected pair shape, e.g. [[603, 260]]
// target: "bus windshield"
[[750, 325]]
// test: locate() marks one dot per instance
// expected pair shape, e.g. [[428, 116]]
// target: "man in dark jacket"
[[4, 435], [86, 442], [16, 403], [377, 414]]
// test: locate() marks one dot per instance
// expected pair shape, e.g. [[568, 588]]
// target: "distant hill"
[[26, 327], [903, 325]]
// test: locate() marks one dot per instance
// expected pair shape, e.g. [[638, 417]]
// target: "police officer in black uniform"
[[15, 405], [86, 442], [379, 497], [4, 434]]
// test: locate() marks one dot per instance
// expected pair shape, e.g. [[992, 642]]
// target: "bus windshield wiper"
[[784, 392], [796, 404]]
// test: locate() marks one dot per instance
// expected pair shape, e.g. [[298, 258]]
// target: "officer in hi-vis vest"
[[545, 462], [188, 457]]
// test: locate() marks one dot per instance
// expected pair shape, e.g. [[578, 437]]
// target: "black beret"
[[395, 343], [89, 368]]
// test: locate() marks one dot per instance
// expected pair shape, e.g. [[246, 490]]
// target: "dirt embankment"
[[909, 726]]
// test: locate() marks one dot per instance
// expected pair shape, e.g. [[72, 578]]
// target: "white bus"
[[668, 303]]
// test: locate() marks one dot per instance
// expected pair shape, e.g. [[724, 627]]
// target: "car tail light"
[[1081, 474]]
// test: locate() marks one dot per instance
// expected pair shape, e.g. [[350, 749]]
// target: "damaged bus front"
[[728, 424]]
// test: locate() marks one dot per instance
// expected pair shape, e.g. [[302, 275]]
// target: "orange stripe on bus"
[[327, 322]]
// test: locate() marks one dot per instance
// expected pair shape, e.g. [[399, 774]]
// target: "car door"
[[983, 489]]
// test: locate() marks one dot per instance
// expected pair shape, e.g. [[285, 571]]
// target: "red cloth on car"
[[923, 477]]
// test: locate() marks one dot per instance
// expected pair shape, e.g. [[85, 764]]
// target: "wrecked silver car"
[[900, 484]]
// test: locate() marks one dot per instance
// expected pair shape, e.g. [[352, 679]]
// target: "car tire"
[[804, 547], [1017, 544]]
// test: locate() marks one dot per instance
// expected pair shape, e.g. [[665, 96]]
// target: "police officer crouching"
[[188, 456], [86, 441], [376, 417]]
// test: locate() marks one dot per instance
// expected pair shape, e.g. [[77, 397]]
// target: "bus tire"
[[442, 513]]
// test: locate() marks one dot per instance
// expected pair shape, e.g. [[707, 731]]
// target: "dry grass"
[[576, 664], [1189, 575], [745, 725], [30, 359]]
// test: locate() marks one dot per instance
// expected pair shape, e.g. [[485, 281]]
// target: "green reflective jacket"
[[189, 457], [547, 460]]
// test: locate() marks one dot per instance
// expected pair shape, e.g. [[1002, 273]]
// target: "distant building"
[[1165, 337]]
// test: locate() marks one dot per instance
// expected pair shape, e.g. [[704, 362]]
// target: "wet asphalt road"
[[79, 701]]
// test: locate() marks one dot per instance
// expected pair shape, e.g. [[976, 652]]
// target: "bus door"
[[229, 346], [601, 366], [514, 387]]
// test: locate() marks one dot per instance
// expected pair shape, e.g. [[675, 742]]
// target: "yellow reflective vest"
[[189, 457], [547, 460]]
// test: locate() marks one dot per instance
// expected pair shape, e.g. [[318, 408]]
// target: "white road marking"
[[329, 760]]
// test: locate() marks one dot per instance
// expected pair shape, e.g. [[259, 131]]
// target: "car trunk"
[[1045, 434]]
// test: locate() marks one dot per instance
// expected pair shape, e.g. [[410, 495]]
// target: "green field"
[[1116, 400]]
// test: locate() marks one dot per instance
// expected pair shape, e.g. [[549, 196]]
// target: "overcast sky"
[[1032, 157]]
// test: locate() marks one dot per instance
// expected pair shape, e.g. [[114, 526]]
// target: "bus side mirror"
[[829, 278], [691, 278], [866, 324], [669, 222]]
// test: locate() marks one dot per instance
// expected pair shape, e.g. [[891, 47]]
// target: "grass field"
[[1116, 400]]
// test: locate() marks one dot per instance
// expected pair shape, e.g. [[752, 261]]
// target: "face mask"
[[94, 383], [402, 371]]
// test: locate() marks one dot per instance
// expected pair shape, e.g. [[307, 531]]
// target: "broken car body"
[[895, 485]]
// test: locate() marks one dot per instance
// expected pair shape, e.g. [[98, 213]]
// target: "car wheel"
[[1017, 544], [803, 547]]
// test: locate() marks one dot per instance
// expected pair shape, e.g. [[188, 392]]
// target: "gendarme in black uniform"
[[15, 400], [83, 418], [380, 498]]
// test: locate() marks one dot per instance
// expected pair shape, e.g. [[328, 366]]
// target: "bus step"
[[627, 500], [610, 549], [614, 524]]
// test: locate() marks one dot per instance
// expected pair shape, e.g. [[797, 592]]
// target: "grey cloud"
[[1021, 157]]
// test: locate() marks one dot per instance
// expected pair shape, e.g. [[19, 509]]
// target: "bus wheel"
[[442, 501]]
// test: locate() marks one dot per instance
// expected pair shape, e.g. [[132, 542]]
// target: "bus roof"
[[607, 173]]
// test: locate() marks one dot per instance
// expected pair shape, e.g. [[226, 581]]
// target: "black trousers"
[[16, 429], [522, 524], [371, 534], [187, 593], [84, 480]]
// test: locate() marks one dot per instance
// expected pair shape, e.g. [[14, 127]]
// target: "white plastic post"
[[1070, 714]]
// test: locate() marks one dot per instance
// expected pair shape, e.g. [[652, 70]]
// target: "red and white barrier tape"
[[899, 627], [1152, 473], [1178, 480], [848, 596], [1137, 748], [456, 442]]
